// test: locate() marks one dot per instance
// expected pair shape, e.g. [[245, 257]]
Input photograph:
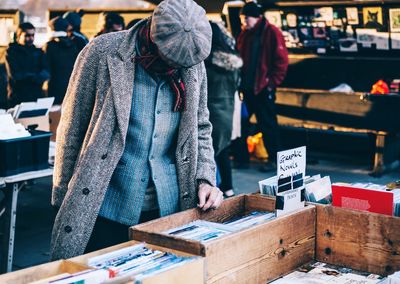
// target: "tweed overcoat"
[[92, 131]]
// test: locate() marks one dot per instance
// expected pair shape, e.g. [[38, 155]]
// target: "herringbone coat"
[[92, 131]]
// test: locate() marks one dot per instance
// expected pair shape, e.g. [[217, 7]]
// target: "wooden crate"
[[255, 255], [357, 239], [41, 272], [192, 272]]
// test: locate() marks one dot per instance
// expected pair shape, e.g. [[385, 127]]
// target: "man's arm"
[[76, 114], [209, 195], [280, 60], [44, 74]]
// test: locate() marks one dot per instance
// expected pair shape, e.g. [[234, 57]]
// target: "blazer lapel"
[[122, 76]]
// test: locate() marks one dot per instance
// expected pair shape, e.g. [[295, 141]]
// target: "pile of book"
[[136, 262], [317, 189], [204, 231], [324, 273]]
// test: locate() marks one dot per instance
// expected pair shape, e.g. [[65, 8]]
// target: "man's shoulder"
[[108, 43]]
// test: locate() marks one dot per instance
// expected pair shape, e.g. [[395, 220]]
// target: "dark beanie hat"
[[73, 18], [251, 9], [58, 24]]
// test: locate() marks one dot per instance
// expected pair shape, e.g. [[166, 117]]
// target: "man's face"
[[27, 37], [70, 31], [116, 28], [248, 22]]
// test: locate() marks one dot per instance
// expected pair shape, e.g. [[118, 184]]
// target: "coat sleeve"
[[280, 60], [43, 74], [76, 113], [206, 169]]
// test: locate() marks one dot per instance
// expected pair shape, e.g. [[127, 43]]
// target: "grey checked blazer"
[[92, 131]]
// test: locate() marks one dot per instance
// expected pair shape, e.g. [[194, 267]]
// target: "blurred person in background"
[[265, 58], [223, 74], [61, 53], [74, 32], [26, 67], [110, 22]]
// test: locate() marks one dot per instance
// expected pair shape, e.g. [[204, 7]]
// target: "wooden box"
[[254, 255], [357, 239], [192, 272], [41, 272]]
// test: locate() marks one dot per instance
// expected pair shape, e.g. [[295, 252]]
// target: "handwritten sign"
[[291, 170], [291, 162]]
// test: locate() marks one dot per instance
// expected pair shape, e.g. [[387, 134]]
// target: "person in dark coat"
[[223, 75], [74, 32], [61, 53], [110, 22], [265, 63], [26, 67]]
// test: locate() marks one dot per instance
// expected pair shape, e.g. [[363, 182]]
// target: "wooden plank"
[[359, 240], [270, 243], [167, 241], [259, 202], [41, 272]]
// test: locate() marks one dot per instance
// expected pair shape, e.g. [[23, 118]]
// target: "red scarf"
[[152, 63]]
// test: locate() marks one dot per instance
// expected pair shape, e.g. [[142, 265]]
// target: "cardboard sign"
[[291, 169], [291, 162]]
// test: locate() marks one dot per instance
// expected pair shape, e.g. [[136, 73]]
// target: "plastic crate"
[[25, 154]]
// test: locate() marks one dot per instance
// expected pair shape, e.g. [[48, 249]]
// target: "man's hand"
[[209, 197]]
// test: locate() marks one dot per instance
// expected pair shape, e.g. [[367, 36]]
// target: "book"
[[364, 199]]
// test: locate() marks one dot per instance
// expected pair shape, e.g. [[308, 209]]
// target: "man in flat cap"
[[134, 141]]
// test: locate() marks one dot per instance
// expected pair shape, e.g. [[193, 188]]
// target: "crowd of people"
[[166, 51]]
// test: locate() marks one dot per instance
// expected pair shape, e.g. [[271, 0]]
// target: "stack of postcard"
[[317, 189], [324, 273], [204, 231], [136, 262], [250, 220]]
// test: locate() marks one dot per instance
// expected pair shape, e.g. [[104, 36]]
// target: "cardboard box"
[[254, 255], [192, 272], [41, 272]]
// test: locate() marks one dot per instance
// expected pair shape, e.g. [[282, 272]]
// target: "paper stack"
[[10, 130]]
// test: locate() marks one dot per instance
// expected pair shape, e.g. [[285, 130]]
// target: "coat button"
[[85, 191], [158, 111], [185, 195], [104, 157], [143, 179], [68, 229]]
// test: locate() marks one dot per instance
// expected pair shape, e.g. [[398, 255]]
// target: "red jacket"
[[273, 61]]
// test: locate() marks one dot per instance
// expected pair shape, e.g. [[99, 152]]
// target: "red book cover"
[[370, 200]]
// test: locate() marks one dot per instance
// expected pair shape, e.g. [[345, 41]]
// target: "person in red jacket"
[[265, 62]]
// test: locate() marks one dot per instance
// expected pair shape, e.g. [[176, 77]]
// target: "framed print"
[[352, 16], [394, 16], [274, 17], [372, 18], [291, 20], [324, 14]]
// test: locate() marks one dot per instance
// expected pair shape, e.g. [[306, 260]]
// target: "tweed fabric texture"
[[92, 131], [149, 154], [181, 31]]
